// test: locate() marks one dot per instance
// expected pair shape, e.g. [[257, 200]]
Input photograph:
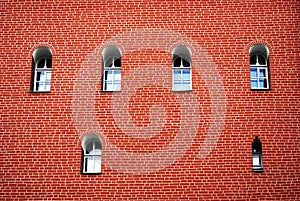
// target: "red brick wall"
[[41, 133]]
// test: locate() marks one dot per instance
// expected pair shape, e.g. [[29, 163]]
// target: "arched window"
[[182, 69], [259, 68], [257, 164], [91, 157], [111, 69], [41, 68]]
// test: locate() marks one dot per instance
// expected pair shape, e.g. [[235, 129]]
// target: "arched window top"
[[181, 56], [112, 56], [259, 49], [41, 52], [91, 138], [44, 62], [256, 145]]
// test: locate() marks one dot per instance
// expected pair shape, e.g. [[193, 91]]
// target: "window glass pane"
[[48, 76], [254, 84], [117, 86], [90, 164], [256, 160], [177, 62], [253, 72], [97, 165], [176, 86], [85, 163], [37, 86], [185, 63], [109, 62], [47, 86], [97, 145], [40, 86], [186, 82], [262, 83], [253, 59], [185, 86], [261, 60], [186, 75], [39, 76], [41, 63], [262, 72], [181, 86], [117, 75], [118, 63], [109, 75], [177, 74], [49, 63], [109, 86], [89, 148]]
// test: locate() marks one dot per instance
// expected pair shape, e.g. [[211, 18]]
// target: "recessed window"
[[259, 69], [182, 69], [111, 69], [91, 157], [257, 164], [41, 69]]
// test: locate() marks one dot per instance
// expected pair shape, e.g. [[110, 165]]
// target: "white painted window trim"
[[95, 155], [181, 68], [258, 67], [112, 69], [43, 80]]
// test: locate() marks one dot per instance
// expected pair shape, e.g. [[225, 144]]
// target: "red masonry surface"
[[157, 144]]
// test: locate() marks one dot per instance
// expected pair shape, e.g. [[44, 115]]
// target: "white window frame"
[[41, 83], [116, 83], [91, 161], [183, 54], [259, 50], [45, 80], [112, 74]]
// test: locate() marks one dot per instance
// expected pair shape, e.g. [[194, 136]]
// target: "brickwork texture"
[[201, 147]]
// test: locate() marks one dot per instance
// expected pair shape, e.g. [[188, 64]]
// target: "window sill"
[[182, 90], [39, 92], [258, 170], [102, 91], [257, 89], [90, 173]]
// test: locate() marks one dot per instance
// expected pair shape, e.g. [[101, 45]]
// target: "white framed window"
[[42, 69], [111, 69], [92, 151], [259, 69], [181, 69]]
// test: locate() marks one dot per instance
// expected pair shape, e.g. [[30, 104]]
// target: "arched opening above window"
[[91, 154], [41, 69], [181, 67], [257, 164], [111, 69], [259, 67]]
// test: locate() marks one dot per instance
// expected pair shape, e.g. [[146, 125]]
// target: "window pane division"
[[111, 69], [182, 79], [92, 155], [259, 75], [112, 80], [42, 68], [259, 79], [181, 69]]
